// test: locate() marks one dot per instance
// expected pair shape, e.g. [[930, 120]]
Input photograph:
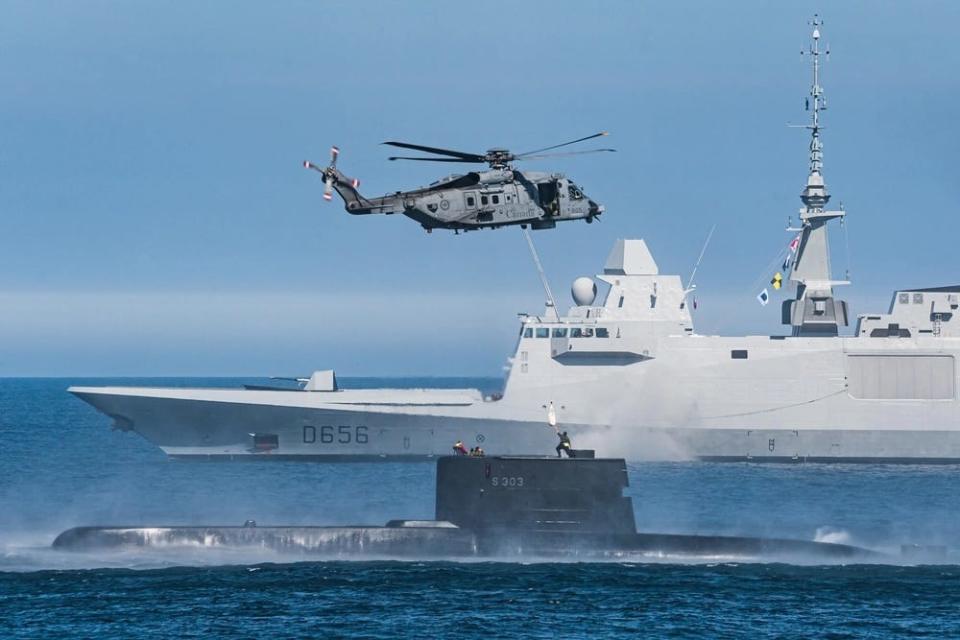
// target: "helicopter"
[[485, 199]]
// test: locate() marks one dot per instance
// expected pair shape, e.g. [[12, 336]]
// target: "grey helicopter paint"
[[628, 375], [497, 197]]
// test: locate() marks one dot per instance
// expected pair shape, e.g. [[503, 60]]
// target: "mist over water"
[[62, 467]]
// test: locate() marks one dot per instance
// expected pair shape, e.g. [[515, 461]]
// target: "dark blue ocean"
[[61, 466]]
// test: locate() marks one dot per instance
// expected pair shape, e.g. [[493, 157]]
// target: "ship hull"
[[187, 427]]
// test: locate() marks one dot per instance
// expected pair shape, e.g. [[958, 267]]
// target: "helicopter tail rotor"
[[330, 174], [328, 183]]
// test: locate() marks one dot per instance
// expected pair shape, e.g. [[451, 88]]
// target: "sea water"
[[61, 466]]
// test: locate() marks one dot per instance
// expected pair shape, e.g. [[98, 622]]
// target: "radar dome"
[[584, 291]]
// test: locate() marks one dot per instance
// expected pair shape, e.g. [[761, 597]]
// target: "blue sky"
[[154, 218]]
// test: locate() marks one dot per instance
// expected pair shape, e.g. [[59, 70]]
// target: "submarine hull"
[[448, 543], [484, 508]]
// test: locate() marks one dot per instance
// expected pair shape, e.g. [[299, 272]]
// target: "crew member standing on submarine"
[[564, 445]]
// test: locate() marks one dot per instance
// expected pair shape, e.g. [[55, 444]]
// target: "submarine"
[[487, 507]]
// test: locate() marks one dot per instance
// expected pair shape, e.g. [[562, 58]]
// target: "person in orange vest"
[[459, 449]]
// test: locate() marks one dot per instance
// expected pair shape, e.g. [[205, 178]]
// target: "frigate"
[[629, 375]]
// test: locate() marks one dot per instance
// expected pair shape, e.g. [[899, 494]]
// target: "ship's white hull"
[[223, 428]]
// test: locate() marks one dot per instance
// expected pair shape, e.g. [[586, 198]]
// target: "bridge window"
[[559, 333], [739, 354], [918, 298], [543, 332], [620, 304], [893, 330], [471, 201], [483, 199], [528, 332], [496, 199], [588, 333], [904, 298], [603, 332]]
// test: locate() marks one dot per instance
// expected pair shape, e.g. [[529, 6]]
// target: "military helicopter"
[[497, 197]]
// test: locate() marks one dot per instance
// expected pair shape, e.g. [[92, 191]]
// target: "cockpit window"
[[543, 332], [574, 191]]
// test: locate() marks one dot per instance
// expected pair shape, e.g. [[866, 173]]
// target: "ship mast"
[[814, 311]]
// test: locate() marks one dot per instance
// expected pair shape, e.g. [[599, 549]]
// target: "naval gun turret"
[[814, 311]]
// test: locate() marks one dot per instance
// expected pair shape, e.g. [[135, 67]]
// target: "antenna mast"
[[819, 102], [814, 311]]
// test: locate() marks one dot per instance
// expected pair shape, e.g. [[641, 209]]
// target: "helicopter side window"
[[575, 193], [483, 199]]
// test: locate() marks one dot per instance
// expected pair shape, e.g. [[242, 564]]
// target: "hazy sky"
[[154, 218]]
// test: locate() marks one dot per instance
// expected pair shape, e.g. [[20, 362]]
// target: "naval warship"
[[628, 375]]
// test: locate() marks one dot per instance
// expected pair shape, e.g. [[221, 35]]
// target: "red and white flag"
[[794, 244]]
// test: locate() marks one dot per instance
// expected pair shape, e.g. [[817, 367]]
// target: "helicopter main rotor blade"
[[563, 153], [557, 146], [443, 152], [435, 159]]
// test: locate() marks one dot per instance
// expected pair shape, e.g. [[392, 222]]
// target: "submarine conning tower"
[[534, 495]]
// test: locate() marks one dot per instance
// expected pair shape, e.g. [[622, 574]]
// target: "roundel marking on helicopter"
[[444, 204]]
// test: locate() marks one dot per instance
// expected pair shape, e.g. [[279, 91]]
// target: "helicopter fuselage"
[[481, 199]]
